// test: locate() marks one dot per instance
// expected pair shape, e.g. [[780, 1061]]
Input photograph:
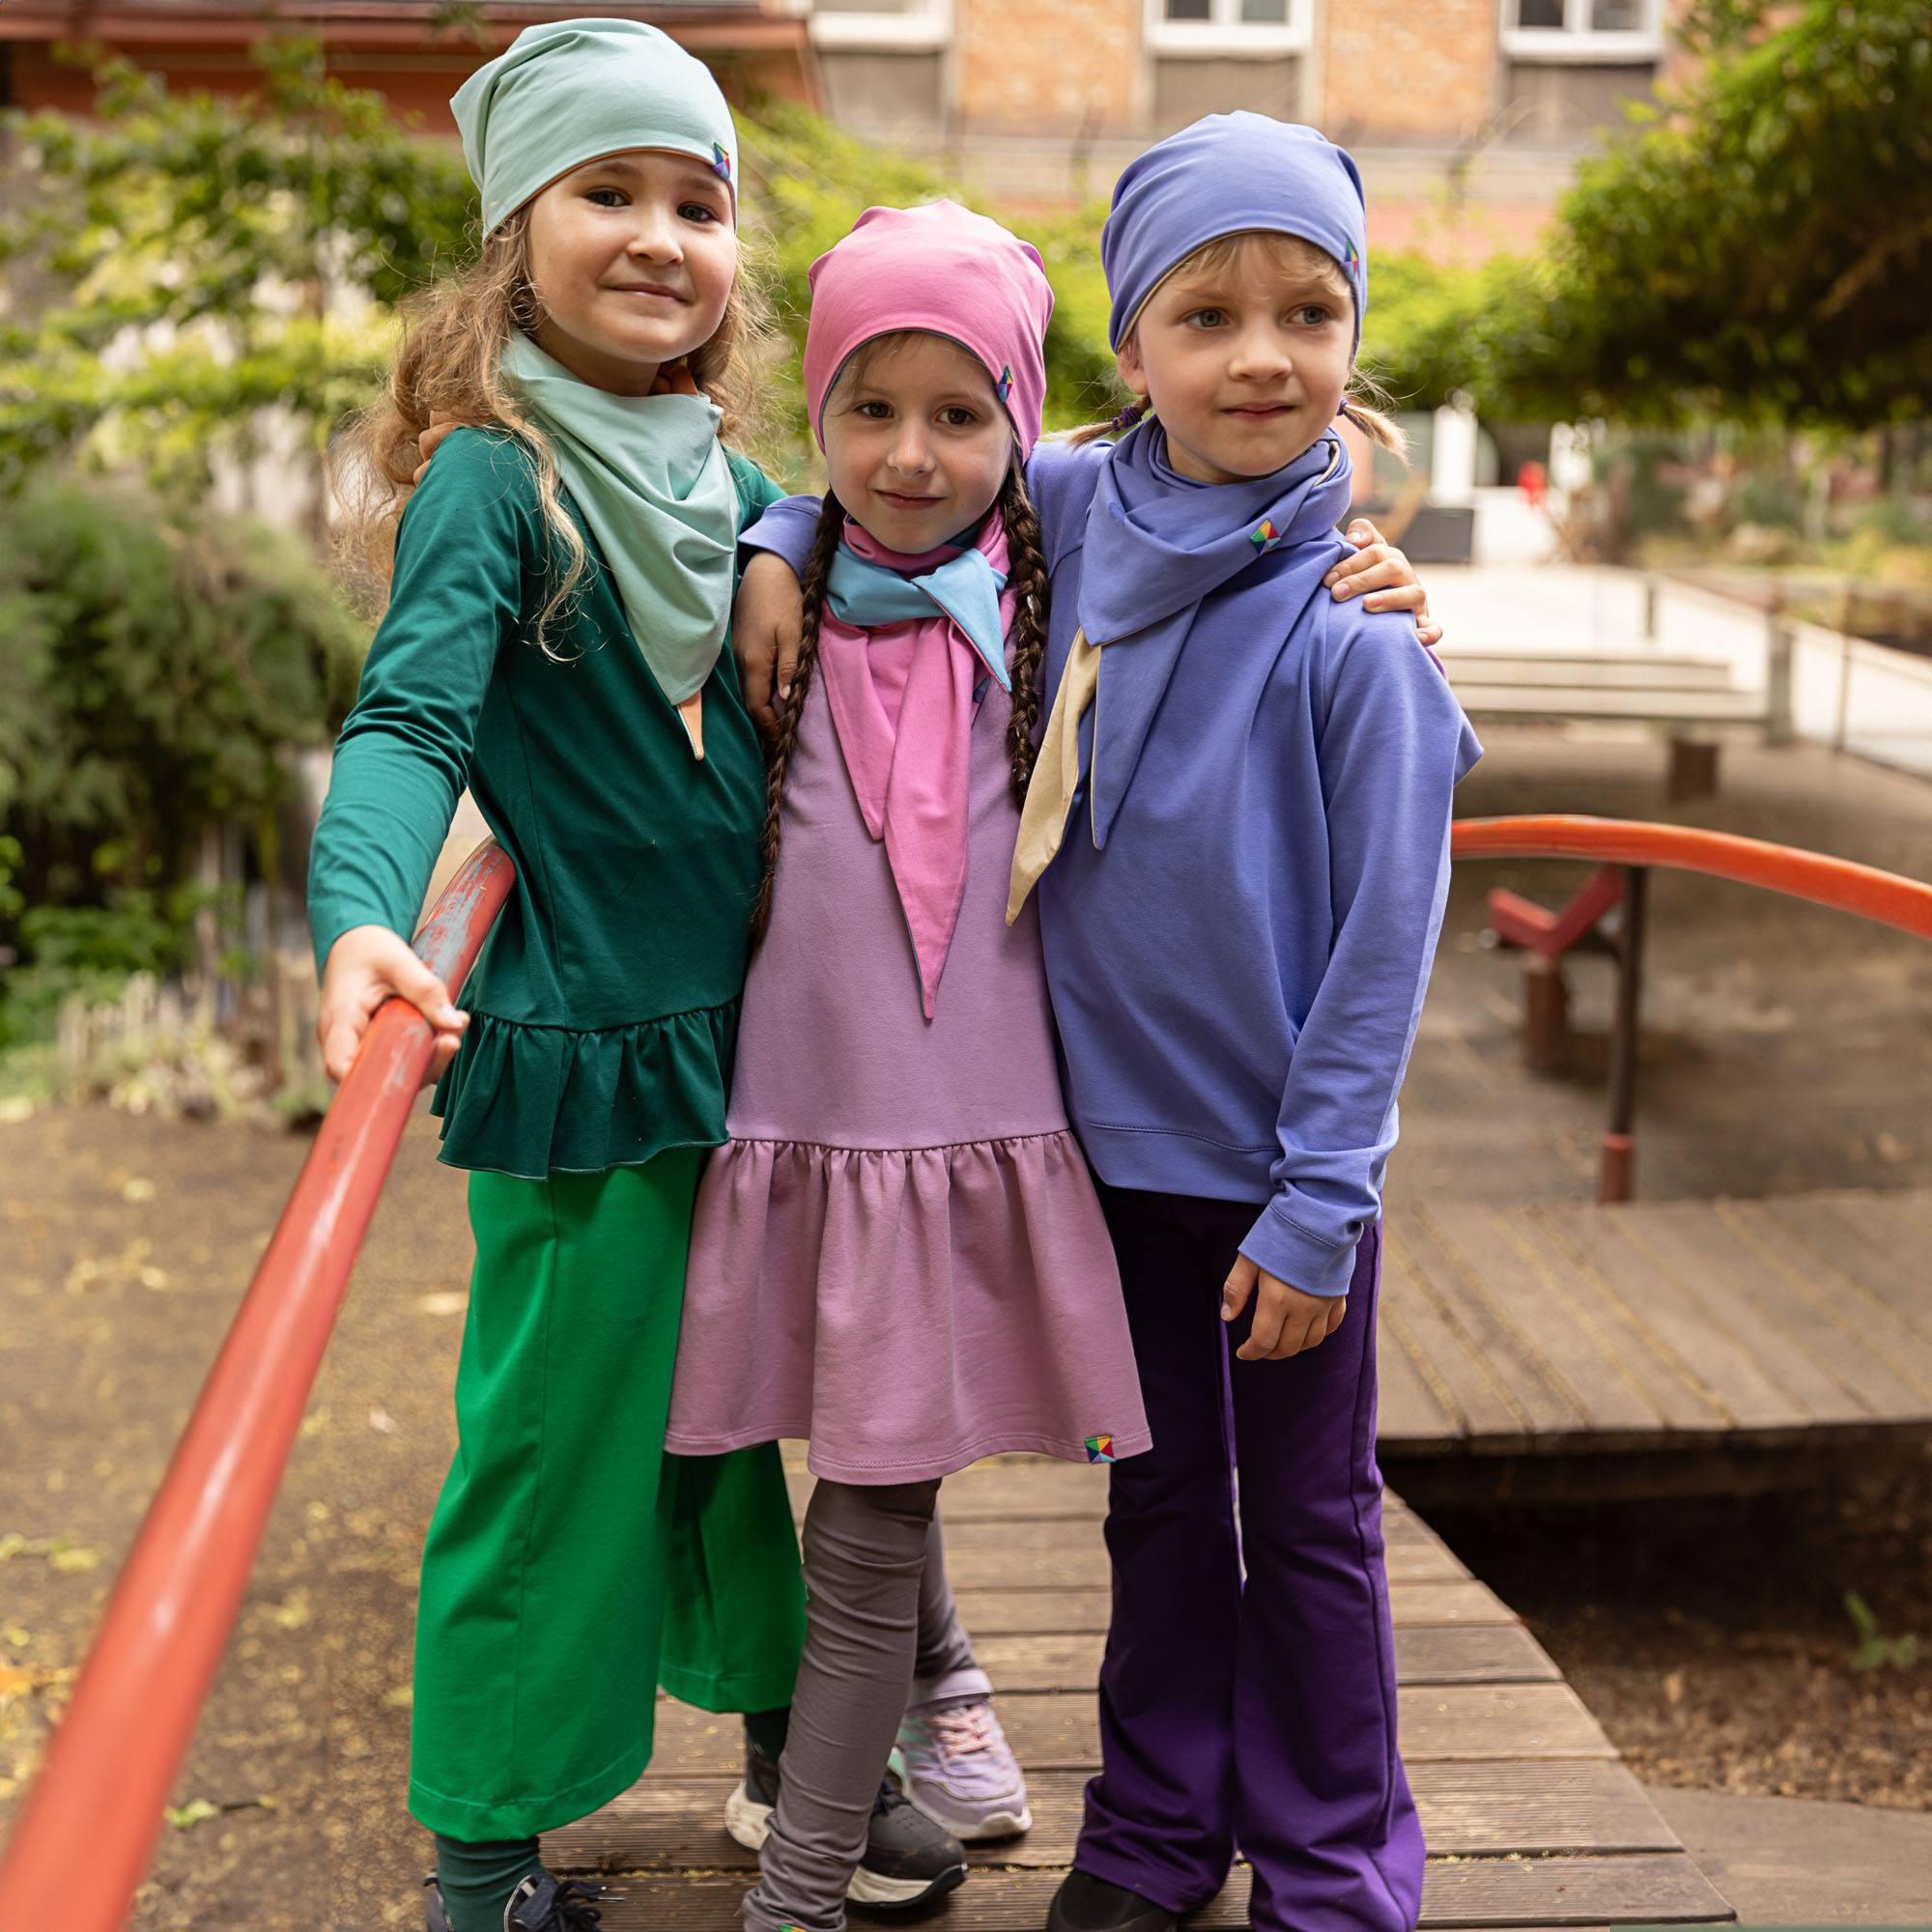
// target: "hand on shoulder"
[[1382, 577]]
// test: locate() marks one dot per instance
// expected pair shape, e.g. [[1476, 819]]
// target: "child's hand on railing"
[[766, 625], [1287, 1321], [366, 966], [1383, 578]]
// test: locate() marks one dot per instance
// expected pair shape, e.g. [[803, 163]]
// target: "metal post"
[[1840, 731], [1617, 1176], [1778, 649]]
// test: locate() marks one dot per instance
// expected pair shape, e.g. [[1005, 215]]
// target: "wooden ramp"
[[1655, 1328], [1531, 1820]]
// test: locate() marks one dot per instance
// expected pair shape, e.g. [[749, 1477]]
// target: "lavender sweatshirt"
[[1236, 978]]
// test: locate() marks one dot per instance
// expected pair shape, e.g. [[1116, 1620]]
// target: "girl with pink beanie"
[[899, 1254]]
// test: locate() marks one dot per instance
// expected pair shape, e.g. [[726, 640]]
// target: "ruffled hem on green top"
[[529, 1100]]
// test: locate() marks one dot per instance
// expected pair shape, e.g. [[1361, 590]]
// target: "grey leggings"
[[943, 1665], [878, 1612]]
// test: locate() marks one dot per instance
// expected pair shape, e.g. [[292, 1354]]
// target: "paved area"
[[1873, 700], [1793, 1861]]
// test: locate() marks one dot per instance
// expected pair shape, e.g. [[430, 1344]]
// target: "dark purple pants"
[[1248, 1694]]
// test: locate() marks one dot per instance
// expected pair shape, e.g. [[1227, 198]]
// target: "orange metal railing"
[[1883, 896], [1626, 851], [88, 1828]]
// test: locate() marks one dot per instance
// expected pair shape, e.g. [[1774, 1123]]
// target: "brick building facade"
[[1468, 115]]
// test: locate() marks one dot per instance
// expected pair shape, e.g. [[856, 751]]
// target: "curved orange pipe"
[[1888, 897], [87, 1831]]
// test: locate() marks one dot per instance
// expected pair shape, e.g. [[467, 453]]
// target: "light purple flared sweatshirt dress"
[[898, 1253]]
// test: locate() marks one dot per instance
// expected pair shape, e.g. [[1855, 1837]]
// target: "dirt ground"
[[1787, 1048]]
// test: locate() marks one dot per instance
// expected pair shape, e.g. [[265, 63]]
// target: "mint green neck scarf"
[[648, 474]]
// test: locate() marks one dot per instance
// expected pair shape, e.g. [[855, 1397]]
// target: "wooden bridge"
[[1654, 1345], [1531, 1820]]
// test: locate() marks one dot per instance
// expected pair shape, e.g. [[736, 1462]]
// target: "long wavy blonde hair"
[[448, 368]]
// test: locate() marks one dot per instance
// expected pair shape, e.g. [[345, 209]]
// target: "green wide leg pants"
[[572, 1566]]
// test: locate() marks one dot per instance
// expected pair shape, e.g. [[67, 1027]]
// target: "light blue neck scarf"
[[966, 588]]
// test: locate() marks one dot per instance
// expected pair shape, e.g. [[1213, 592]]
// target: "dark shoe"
[[908, 1858], [539, 1904], [1085, 1903]]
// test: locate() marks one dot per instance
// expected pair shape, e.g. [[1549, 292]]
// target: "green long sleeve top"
[[604, 1009]]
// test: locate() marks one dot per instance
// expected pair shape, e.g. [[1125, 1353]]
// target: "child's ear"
[[1133, 372]]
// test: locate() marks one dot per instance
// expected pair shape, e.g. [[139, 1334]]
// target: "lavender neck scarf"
[[1157, 543]]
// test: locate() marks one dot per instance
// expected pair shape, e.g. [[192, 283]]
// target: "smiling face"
[[916, 441], [1244, 352], [631, 259]]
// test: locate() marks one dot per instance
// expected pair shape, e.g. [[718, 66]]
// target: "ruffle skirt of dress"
[[525, 1099], [906, 1311]]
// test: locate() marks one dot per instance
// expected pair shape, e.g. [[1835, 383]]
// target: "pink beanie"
[[940, 268]]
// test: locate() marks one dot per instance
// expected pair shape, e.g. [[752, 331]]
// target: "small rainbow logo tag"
[[1265, 535], [1006, 382], [720, 162], [1354, 263], [1099, 1448]]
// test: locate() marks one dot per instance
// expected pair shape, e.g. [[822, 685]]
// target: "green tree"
[[1759, 249], [155, 667], [187, 261]]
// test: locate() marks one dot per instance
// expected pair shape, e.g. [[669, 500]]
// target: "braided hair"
[[1026, 573]]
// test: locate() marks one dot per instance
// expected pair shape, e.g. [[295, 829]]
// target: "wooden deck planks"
[[1059, 1730], [1657, 1326], [670, 1824], [1487, 1243], [1532, 1821], [1492, 1330], [1540, 1895], [1494, 1653], [1869, 1241], [1693, 1255]]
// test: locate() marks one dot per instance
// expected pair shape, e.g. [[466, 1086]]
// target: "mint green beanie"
[[566, 91]]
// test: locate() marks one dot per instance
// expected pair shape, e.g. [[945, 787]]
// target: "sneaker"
[[908, 1860], [1085, 1903], [956, 1766], [539, 1904]]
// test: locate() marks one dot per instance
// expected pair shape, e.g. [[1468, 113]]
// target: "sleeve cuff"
[[328, 922], [1279, 1247], [787, 529]]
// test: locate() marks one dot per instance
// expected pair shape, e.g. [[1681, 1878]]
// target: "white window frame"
[[919, 26], [1574, 40], [1226, 33]]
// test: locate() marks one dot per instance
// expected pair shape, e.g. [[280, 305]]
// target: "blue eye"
[[1209, 318], [1312, 314]]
